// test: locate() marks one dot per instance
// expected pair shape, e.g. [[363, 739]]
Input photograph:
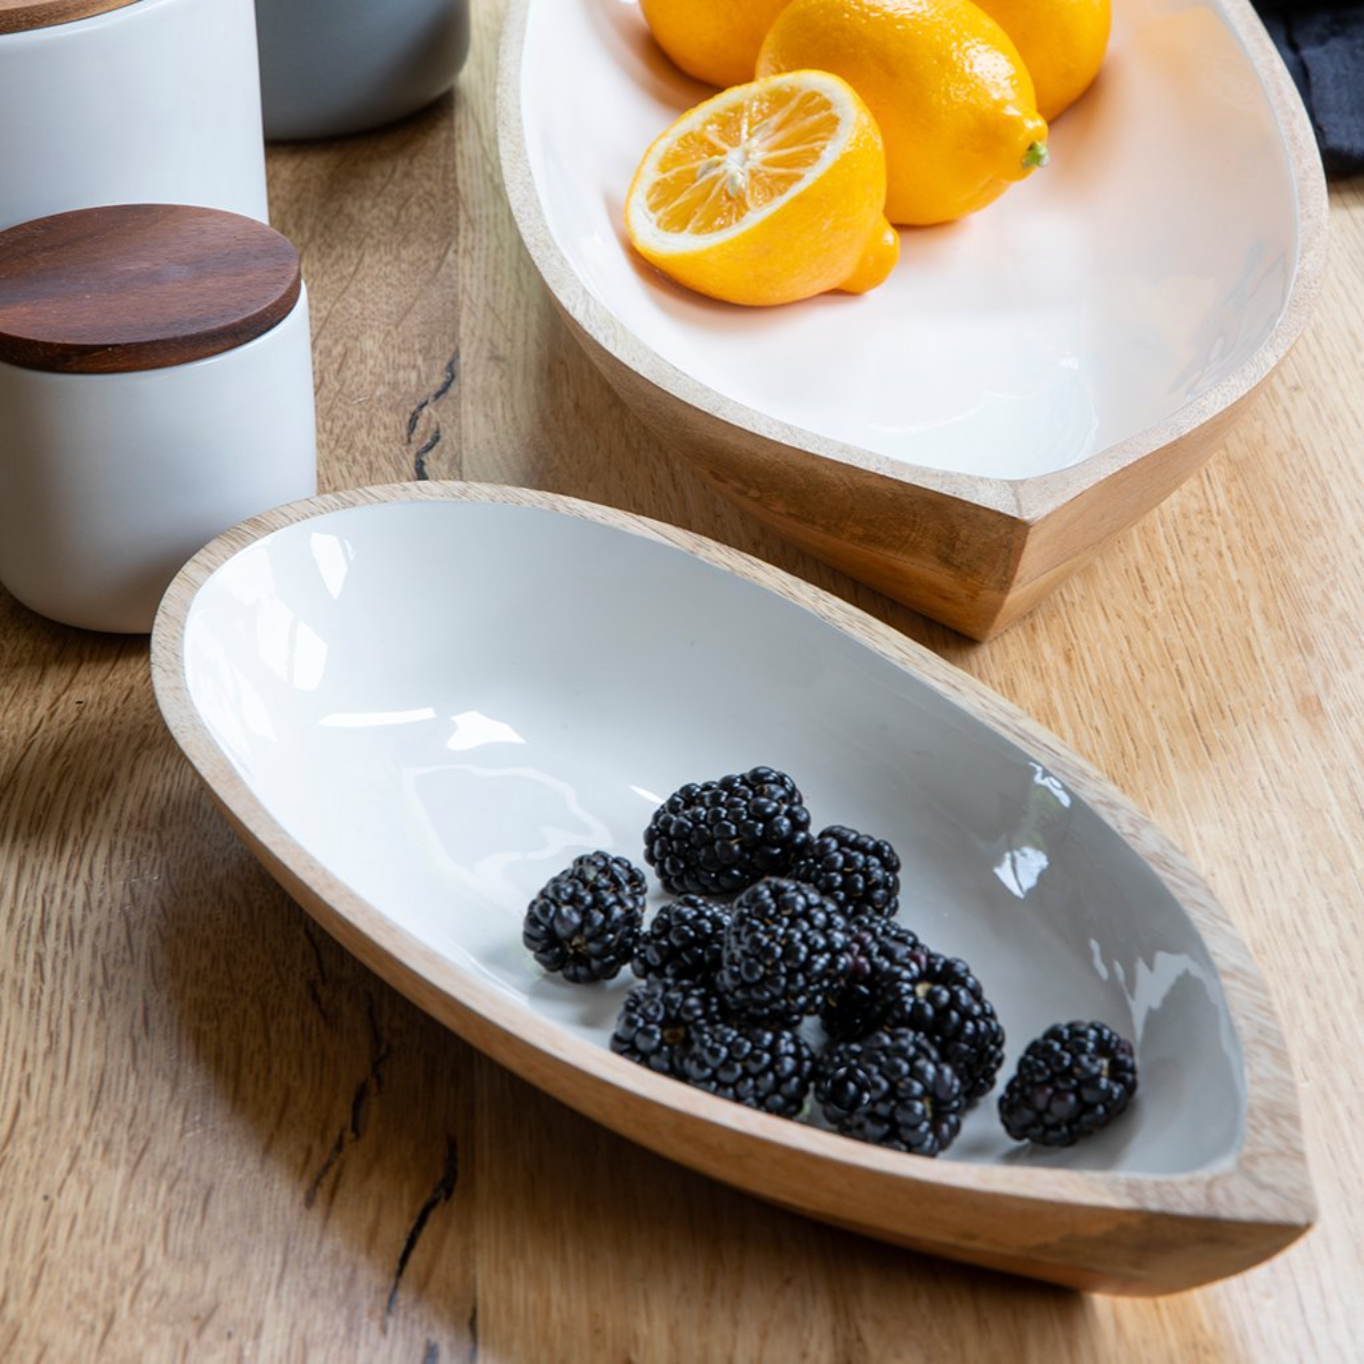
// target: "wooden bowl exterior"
[[976, 553], [22, 16], [953, 555], [1116, 1233]]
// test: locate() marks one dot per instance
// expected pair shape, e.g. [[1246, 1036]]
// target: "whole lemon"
[[716, 41], [1062, 42], [951, 95]]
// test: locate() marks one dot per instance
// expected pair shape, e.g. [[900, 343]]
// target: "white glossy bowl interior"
[[445, 702], [1148, 262]]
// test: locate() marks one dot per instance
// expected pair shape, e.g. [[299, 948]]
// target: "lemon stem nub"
[[1036, 155]]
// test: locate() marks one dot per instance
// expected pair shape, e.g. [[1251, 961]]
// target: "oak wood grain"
[[221, 1138], [139, 286]]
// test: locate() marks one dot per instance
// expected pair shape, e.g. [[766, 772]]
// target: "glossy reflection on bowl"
[[444, 702]]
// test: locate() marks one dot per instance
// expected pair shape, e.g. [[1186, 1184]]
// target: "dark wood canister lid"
[[18, 16], [139, 286]]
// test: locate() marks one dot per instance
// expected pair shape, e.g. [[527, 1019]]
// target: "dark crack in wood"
[[372, 1084], [419, 459], [379, 1050], [333, 1156], [358, 1110], [431, 1355], [319, 960], [442, 1193], [315, 994], [317, 983], [473, 1331], [447, 382]]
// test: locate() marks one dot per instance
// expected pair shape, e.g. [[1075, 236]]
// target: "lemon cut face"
[[732, 167], [767, 193]]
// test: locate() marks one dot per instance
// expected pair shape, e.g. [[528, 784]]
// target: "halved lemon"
[[767, 193]]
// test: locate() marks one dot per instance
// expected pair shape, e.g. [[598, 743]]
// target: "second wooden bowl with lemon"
[[1028, 379]]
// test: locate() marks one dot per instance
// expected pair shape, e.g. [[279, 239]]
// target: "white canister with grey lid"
[[129, 101], [156, 389]]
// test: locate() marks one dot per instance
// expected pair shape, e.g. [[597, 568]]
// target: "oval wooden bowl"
[[413, 775], [1027, 384]]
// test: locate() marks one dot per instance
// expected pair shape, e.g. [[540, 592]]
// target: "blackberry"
[[858, 872], [719, 837], [657, 1019], [761, 1067], [944, 1001], [879, 947], [891, 1090], [585, 922], [786, 949], [1072, 1081], [683, 940]]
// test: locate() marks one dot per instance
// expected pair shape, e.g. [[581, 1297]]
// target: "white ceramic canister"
[[155, 389], [129, 101]]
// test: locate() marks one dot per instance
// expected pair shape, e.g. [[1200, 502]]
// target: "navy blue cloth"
[[1322, 43]]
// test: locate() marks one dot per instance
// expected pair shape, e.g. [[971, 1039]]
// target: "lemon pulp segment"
[[767, 193], [741, 160]]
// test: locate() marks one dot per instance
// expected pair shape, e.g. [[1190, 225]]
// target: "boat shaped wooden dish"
[[417, 703], [1029, 381]]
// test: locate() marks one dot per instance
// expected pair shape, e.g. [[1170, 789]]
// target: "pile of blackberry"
[[779, 977]]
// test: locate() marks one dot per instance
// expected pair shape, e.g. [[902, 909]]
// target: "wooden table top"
[[223, 1138]]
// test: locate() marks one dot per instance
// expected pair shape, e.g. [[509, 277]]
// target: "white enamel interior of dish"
[[1148, 261], [445, 702]]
